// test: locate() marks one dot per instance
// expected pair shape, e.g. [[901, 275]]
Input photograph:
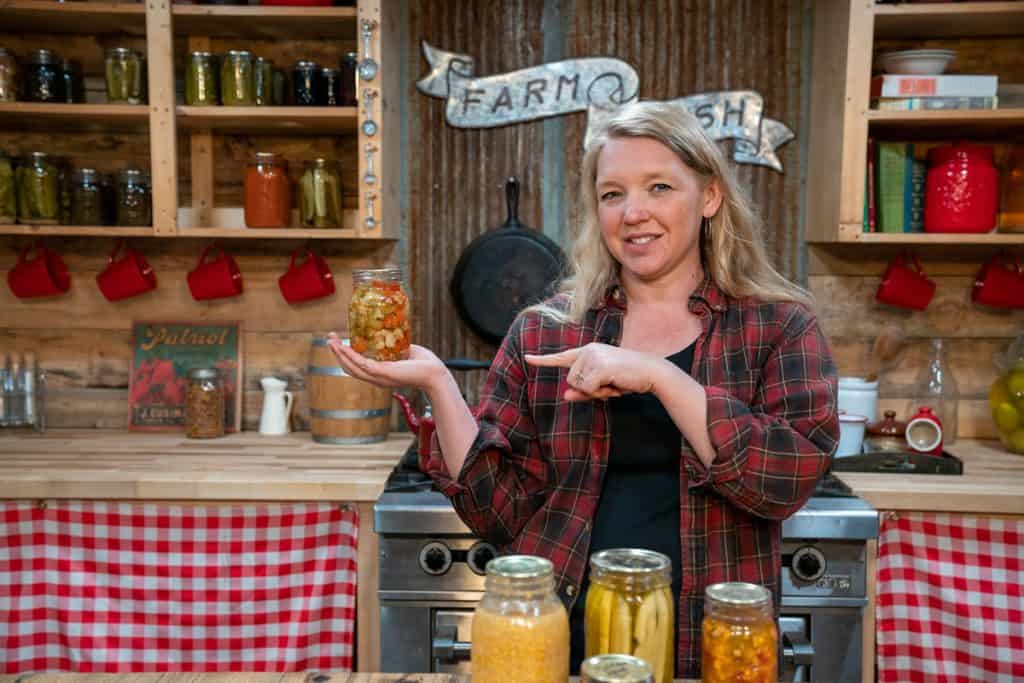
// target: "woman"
[[677, 394]]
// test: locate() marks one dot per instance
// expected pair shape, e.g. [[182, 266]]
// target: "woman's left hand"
[[600, 371]]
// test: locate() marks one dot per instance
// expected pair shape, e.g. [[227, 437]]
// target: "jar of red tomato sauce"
[[268, 194]]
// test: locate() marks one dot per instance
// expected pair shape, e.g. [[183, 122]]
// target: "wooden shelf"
[[48, 16], [274, 234], [290, 120], [952, 20], [276, 23], [969, 123], [76, 231], [35, 115], [991, 239]]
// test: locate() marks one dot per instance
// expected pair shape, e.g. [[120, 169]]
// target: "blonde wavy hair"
[[732, 246]]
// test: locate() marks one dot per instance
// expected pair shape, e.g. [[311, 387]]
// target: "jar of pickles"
[[38, 190], [201, 83], [268, 193], [134, 206], [8, 203], [378, 316], [86, 198], [629, 608], [8, 76], [739, 639], [125, 77], [204, 404], [236, 79], [44, 81], [520, 627], [320, 194], [263, 81]]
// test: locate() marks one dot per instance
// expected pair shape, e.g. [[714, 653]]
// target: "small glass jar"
[[615, 669], [134, 205], [279, 88], [236, 79], [8, 191], [86, 198], [305, 83], [268, 193], [64, 184], [8, 76], [108, 191], [204, 404], [38, 190], [44, 81], [74, 83], [320, 193], [263, 81], [347, 87], [739, 638], [125, 77], [201, 83], [378, 315], [330, 88], [629, 608], [520, 627]]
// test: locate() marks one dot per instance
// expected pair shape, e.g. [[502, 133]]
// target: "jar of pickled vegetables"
[[1006, 397], [124, 75], [268, 193], [9, 78], [44, 80], [236, 81], [134, 206], [263, 81], [739, 639], [520, 627], [38, 190], [8, 202], [378, 315], [629, 608], [86, 198], [320, 194], [201, 83]]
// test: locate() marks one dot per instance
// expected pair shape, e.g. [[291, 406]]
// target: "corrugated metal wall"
[[677, 47]]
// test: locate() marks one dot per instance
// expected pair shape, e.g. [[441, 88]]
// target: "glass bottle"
[[44, 81], [14, 394], [330, 88], [520, 627], [630, 596], [1011, 205], [87, 198], [38, 191], [204, 404], [305, 82], [8, 76], [739, 638], [5, 374], [236, 79], [268, 194], [8, 192], [134, 207], [28, 383], [347, 86], [201, 86], [320, 193], [124, 76], [74, 84], [263, 81], [378, 315], [937, 389]]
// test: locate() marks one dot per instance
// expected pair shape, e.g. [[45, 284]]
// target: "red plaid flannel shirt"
[[532, 478]]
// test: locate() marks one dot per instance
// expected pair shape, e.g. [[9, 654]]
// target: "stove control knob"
[[479, 555], [435, 558], [808, 563]]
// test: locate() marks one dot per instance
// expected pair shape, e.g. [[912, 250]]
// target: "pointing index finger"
[[563, 359]]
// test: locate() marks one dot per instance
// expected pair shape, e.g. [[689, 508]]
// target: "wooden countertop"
[[123, 465], [992, 483], [249, 678]]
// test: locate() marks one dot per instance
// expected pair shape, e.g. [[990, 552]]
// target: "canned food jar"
[[134, 206], [739, 638], [305, 83], [961, 191], [615, 669], [86, 198], [378, 316], [8, 192], [330, 88], [236, 79], [268, 194], [74, 83], [263, 81], [124, 75], [38, 190], [320, 194], [629, 608], [8, 76], [44, 79], [349, 64], [204, 404], [201, 83], [520, 627]]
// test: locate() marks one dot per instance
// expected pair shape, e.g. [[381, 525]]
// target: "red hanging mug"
[[127, 276], [999, 283], [44, 275], [310, 279], [216, 279], [904, 284]]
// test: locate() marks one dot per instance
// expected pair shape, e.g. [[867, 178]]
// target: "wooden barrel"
[[343, 409]]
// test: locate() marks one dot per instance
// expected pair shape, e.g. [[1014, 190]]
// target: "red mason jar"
[[962, 189]]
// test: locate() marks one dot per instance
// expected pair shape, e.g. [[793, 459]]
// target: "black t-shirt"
[[639, 504]]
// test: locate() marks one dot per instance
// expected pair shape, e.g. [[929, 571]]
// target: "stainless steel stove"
[[432, 567]]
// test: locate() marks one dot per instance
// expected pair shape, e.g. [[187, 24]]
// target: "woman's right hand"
[[423, 370]]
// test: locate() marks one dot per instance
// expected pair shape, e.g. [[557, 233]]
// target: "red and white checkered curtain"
[[134, 587], [950, 599]]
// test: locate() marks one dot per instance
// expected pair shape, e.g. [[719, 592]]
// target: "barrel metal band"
[[349, 414]]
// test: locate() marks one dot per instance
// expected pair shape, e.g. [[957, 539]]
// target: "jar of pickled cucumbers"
[[38, 190], [629, 608], [520, 627], [739, 639], [378, 315], [320, 194], [236, 79], [124, 76], [8, 203], [202, 87]]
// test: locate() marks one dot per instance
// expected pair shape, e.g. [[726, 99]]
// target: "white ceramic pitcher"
[[277, 406]]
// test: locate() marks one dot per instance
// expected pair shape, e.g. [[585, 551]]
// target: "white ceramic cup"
[[857, 396], [851, 434]]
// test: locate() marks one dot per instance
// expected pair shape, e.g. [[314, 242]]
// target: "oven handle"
[[447, 650], [799, 652]]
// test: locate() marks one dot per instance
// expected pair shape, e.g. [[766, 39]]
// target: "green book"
[[893, 176]]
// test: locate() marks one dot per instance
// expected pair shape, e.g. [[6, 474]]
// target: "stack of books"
[[897, 92], [894, 196]]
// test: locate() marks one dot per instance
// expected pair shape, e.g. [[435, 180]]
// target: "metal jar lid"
[[630, 561], [520, 567], [43, 56], [263, 61], [131, 175], [329, 71], [203, 373], [615, 669], [268, 158], [738, 593], [39, 156], [119, 52], [87, 176], [239, 55], [201, 56], [306, 65]]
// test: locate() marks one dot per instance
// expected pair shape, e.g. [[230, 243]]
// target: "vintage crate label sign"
[[162, 355]]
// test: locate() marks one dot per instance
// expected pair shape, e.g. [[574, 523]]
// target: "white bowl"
[[851, 434], [916, 62]]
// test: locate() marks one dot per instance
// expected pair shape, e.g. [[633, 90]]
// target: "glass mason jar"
[[1006, 397], [330, 88], [378, 315], [268, 193], [349, 63], [615, 669], [124, 75], [236, 79], [629, 608], [204, 404], [86, 198], [8, 191], [263, 81], [74, 83], [520, 627], [201, 86], [305, 83], [134, 205], [279, 88], [64, 183], [44, 80], [739, 638], [8, 76], [320, 194], [38, 190]]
